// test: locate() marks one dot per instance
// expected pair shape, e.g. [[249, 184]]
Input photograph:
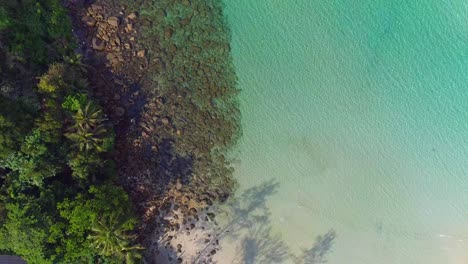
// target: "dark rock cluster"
[[192, 70], [114, 34], [165, 76]]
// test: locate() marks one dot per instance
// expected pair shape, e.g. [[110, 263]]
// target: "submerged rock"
[[141, 53]]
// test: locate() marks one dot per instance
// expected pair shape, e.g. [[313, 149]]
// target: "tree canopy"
[[59, 202]]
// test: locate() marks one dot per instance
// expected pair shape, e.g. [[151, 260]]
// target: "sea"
[[354, 147]]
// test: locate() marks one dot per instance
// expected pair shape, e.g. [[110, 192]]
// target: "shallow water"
[[356, 114]]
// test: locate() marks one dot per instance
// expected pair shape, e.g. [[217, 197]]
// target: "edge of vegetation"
[[59, 202]]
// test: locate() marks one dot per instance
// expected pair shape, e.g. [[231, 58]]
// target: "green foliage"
[[33, 28], [75, 102], [88, 116], [84, 165], [47, 206], [111, 237], [59, 25], [24, 234], [34, 162], [86, 211], [108, 141], [90, 136], [4, 19], [53, 80], [10, 136], [15, 123], [88, 139]]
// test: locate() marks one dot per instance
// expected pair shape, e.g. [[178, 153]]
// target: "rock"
[[173, 49], [97, 44], [132, 16], [120, 57], [196, 49], [165, 120], [141, 53], [130, 26], [89, 21], [110, 56], [185, 21], [113, 21], [132, 38], [114, 61], [119, 82], [168, 33], [105, 37], [95, 7], [119, 111]]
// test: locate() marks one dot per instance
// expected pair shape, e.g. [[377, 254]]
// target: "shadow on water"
[[250, 224]]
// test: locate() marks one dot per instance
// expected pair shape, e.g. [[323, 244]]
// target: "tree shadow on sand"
[[322, 247], [249, 222]]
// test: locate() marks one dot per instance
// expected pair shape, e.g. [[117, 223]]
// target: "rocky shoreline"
[[170, 138]]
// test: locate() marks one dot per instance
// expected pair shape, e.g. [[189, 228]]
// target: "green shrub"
[[74, 102], [25, 233], [4, 19], [85, 210], [34, 162], [84, 165], [52, 81]]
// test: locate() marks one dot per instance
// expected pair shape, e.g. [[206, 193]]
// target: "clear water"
[[358, 112]]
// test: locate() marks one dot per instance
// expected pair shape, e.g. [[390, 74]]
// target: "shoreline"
[[156, 164]]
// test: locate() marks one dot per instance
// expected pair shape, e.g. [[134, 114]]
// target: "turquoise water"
[[358, 110]]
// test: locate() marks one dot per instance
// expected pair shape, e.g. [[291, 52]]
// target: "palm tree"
[[89, 116], [88, 131], [88, 139], [110, 236]]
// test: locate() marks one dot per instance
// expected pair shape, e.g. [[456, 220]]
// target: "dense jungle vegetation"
[[59, 201]]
